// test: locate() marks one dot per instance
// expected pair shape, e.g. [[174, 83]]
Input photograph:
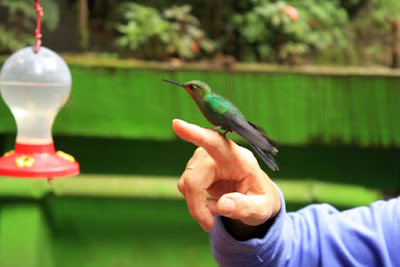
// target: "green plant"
[[282, 29], [186, 37], [377, 29], [19, 31], [142, 24], [155, 35], [353, 7]]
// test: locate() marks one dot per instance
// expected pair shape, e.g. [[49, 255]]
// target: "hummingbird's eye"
[[192, 86]]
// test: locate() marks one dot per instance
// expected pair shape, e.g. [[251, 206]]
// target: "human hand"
[[238, 188]]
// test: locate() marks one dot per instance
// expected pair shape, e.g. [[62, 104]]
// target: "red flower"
[[195, 47], [292, 12]]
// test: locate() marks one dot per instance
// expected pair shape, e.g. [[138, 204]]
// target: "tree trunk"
[[216, 17], [395, 43], [83, 24]]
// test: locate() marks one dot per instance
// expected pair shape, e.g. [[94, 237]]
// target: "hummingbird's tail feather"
[[264, 133], [248, 131], [266, 157]]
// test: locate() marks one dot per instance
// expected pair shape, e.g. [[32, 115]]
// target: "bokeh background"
[[320, 76]]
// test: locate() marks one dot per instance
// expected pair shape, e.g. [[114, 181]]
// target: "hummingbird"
[[226, 116]]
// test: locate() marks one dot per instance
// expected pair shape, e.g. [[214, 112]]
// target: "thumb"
[[251, 210]]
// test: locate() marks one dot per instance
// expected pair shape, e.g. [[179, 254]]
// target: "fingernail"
[[227, 205], [182, 122]]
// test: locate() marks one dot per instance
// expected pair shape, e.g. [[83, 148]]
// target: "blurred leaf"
[[51, 13], [174, 32], [264, 50], [318, 25], [22, 18]]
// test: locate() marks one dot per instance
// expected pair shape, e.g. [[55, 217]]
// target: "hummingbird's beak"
[[177, 83]]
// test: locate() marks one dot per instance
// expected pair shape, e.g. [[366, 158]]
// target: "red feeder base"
[[37, 161]]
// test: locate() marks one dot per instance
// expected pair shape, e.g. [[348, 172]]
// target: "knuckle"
[[251, 214], [256, 211], [183, 178], [187, 183], [198, 151], [202, 158], [181, 186], [247, 163], [209, 162], [248, 209], [252, 172], [194, 213], [260, 214], [248, 155], [245, 155], [246, 213], [191, 184]]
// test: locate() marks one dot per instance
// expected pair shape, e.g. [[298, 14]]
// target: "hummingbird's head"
[[196, 89]]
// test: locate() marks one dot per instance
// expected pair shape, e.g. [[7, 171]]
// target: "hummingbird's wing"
[[248, 131], [256, 138]]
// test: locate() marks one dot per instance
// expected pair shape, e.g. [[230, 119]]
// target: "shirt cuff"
[[228, 250]]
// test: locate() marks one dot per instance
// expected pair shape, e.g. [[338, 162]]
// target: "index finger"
[[217, 146]]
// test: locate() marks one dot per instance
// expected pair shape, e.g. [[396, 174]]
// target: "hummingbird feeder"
[[35, 83]]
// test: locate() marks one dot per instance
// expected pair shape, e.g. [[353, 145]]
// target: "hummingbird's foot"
[[224, 133], [218, 128]]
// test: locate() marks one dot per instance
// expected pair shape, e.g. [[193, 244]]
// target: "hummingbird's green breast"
[[213, 106]]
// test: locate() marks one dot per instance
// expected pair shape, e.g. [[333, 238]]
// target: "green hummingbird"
[[225, 115]]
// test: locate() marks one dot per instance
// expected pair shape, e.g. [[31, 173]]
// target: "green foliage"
[[272, 28], [372, 30], [335, 31], [19, 31], [51, 17], [11, 40], [327, 22], [158, 35], [186, 37], [385, 11], [142, 24], [353, 7]]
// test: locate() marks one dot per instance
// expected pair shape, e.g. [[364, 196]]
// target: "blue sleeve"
[[318, 235]]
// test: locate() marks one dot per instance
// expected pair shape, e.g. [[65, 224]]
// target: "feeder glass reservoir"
[[35, 86]]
